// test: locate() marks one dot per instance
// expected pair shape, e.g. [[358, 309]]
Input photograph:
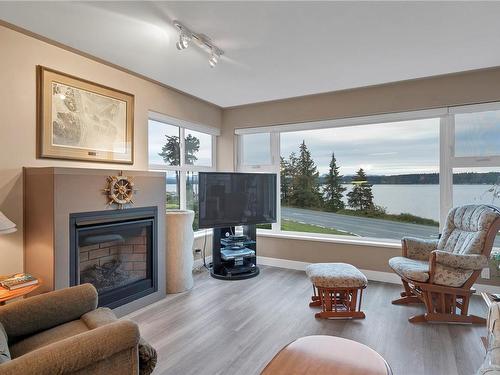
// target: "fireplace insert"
[[116, 251]]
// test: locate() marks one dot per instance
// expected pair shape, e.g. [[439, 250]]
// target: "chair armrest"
[[76, 352], [417, 248], [44, 311], [464, 261]]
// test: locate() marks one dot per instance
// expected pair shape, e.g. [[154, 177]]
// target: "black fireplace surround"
[[117, 252]]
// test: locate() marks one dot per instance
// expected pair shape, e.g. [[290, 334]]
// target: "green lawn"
[[295, 226], [402, 218]]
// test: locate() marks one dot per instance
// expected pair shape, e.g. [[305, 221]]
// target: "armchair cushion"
[[47, 337], [417, 248], [466, 229], [75, 354], [4, 346], [464, 261], [416, 270], [44, 311], [450, 276]]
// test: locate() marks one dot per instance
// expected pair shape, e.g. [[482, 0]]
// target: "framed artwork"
[[82, 120]]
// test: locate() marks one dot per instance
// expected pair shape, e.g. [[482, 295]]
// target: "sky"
[[381, 149], [396, 148]]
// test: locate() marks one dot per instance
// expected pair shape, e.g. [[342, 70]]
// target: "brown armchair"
[[440, 273], [64, 332]]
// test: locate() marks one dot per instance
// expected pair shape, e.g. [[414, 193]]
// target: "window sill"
[[202, 233], [366, 241]]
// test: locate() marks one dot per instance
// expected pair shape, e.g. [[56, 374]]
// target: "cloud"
[[389, 148]]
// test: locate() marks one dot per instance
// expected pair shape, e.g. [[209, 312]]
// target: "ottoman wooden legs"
[[338, 302]]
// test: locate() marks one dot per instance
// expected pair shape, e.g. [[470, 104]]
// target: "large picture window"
[[364, 179], [381, 177], [182, 150]]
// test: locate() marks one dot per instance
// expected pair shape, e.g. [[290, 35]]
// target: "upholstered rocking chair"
[[440, 273]]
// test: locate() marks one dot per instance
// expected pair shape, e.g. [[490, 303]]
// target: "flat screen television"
[[231, 199]]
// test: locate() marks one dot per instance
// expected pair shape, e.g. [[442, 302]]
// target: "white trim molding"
[[319, 237], [160, 117], [350, 121], [385, 277]]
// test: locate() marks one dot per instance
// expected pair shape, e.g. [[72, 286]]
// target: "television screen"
[[230, 199]]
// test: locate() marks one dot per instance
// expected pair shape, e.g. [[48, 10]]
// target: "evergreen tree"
[[287, 170], [361, 196], [284, 181], [333, 189], [305, 182], [171, 152]]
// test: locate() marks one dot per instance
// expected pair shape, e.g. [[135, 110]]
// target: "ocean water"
[[419, 200]]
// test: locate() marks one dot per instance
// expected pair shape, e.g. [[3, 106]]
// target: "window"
[[173, 190], [383, 176], [182, 150], [477, 134], [255, 149], [364, 179], [198, 148]]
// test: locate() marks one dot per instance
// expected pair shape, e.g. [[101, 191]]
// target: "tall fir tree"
[[287, 172], [171, 155], [305, 190], [284, 181], [333, 189], [361, 196]]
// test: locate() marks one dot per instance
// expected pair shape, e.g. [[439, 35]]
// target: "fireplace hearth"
[[116, 252]]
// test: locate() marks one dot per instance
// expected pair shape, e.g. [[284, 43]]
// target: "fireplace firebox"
[[116, 251]]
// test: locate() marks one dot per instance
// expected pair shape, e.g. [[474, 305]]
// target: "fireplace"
[[116, 251]]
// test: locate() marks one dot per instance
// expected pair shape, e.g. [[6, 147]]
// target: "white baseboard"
[[386, 277], [487, 288], [198, 263]]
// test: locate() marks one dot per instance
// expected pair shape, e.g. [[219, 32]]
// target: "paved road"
[[360, 226]]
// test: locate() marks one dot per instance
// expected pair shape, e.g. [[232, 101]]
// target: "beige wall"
[[20, 55], [455, 89]]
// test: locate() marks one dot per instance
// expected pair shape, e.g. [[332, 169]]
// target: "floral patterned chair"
[[440, 273]]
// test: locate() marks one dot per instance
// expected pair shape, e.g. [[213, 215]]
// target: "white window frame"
[[447, 159], [451, 161], [184, 168]]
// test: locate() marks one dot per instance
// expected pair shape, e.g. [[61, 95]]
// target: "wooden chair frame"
[[444, 304], [338, 302]]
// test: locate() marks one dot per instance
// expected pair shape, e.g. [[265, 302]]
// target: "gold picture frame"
[[82, 120]]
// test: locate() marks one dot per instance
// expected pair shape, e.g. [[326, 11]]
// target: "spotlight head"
[[183, 42], [213, 59]]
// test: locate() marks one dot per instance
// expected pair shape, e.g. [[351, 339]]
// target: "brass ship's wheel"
[[120, 190]]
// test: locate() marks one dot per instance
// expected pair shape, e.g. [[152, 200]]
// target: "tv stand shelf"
[[239, 267]]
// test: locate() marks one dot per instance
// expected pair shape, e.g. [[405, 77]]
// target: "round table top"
[[330, 355]]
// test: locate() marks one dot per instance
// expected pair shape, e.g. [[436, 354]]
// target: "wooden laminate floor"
[[236, 327]]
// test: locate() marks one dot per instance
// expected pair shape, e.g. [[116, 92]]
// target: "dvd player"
[[236, 238], [228, 253]]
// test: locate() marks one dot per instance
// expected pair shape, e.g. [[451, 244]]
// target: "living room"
[[249, 187]]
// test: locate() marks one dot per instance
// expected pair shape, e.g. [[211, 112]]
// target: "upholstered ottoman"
[[337, 288]]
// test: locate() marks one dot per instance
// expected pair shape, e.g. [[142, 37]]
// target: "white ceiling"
[[274, 50]]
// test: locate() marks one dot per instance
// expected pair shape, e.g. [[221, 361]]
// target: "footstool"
[[336, 287]]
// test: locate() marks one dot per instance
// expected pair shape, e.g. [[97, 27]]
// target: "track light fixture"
[[186, 36], [213, 59], [184, 40]]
